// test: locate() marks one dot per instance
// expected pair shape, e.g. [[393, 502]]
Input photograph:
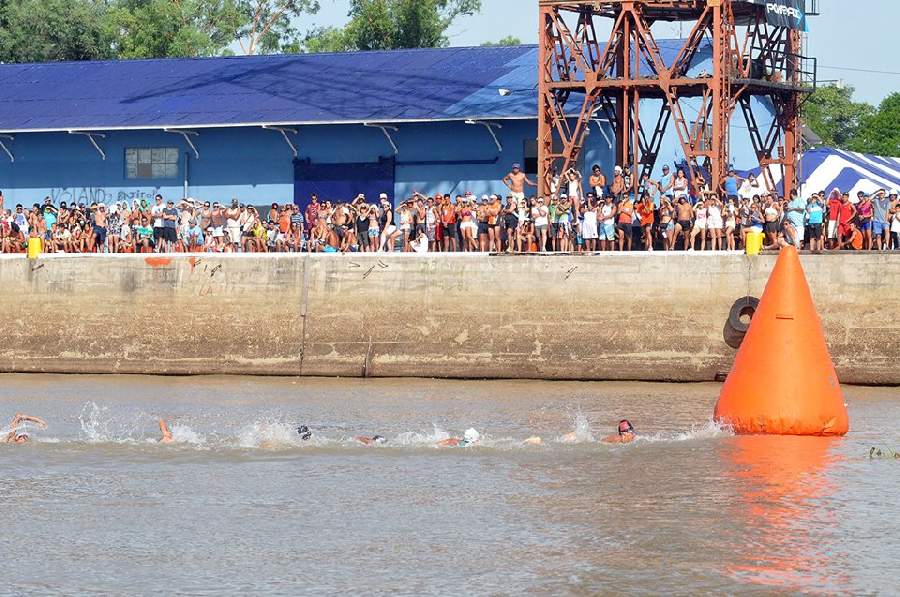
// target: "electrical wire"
[[860, 70]]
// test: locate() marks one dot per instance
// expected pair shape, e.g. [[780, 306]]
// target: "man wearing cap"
[[516, 181], [217, 221], [617, 188], [170, 226], [665, 182]]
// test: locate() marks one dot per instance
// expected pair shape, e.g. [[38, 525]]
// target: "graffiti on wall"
[[90, 195]]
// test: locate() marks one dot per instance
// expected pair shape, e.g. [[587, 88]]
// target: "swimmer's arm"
[[164, 430], [29, 419]]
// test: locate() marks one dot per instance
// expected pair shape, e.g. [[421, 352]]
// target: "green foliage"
[[834, 116], [854, 126], [47, 30], [174, 28], [509, 40], [323, 39], [392, 24], [879, 133], [267, 25]]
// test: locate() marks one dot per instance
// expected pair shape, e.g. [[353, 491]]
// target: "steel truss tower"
[[582, 80]]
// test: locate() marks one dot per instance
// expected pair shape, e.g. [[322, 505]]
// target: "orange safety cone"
[[783, 381]]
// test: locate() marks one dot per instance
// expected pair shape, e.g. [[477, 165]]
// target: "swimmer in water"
[[304, 433], [369, 441], [166, 434], [533, 441], [625, 434], [469, 437], [18, 433]]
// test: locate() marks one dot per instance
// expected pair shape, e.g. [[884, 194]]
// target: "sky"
[[846, 42]]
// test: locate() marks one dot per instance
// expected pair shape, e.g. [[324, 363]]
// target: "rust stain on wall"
[[156, 262]]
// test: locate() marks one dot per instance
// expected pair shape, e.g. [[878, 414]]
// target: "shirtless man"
[[98, 240], [516, 181], [624, 435], [493, 222], [18, 434], [684, 214]]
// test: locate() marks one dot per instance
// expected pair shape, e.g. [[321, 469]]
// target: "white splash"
[[708, 430], [272, 435], [581, 432], [183, 434]]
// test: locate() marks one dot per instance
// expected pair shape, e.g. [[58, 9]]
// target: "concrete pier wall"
[[608, 317]]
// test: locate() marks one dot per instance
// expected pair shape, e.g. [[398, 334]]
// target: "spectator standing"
[[156, 212], [516, 180], [881, 204]]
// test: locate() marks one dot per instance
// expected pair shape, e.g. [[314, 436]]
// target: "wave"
[[708, 430]]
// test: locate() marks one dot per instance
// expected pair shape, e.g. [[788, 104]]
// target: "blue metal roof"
[[392, 86]]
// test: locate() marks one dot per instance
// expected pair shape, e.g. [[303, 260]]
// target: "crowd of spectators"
[[577, 216]]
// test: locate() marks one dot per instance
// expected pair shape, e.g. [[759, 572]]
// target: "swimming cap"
[[471, 436], [625, 427], [304, 432], [378, 439]]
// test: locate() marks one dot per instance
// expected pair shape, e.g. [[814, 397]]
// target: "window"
[[151, 162], [530, 151]]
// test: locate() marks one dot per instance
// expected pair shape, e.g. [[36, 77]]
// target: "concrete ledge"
[[618, 316]]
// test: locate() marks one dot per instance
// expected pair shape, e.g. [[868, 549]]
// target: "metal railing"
[[783, 68]]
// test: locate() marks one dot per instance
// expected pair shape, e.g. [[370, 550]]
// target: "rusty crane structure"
[[755, 64]]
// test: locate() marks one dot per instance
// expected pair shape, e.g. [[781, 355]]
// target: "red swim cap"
[[625, 427]]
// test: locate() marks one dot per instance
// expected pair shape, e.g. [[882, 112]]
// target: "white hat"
[[471, 436], [618, 168], [383, 196], [894, 192], [485, 198]]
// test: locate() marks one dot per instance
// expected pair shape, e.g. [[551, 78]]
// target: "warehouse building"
[[274, 128]]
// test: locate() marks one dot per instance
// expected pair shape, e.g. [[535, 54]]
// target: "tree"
[[879, 133], [50, 30], [509, 40], [268, 24], [174, 28], [834, 116], [392, 24]]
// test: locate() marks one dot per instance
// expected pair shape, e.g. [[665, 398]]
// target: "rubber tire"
[[743, 306]]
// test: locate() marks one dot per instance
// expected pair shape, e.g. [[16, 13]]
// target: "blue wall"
[[256, 165]]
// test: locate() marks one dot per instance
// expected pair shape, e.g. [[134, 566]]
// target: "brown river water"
[[240, 505]]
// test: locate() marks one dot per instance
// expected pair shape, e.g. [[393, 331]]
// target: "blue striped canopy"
[[827, 168]]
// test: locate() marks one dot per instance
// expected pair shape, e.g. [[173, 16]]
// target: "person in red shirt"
[[847, 216], [312, 213], [645, 212], [834, 217]]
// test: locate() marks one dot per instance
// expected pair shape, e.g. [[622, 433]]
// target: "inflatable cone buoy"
[[783, 381]]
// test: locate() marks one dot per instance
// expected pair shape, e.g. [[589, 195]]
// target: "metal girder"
[[386, 129], [490, 126], [93, 141], [580, 79], [187, 138], [284, 133], [5, 149]]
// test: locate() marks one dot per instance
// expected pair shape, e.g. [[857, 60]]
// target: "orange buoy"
[[783, 381]]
